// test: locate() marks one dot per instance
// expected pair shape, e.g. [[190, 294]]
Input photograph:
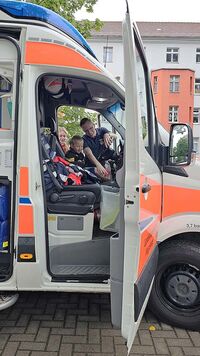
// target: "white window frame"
[[196, 116], [197, 55], [172, 54], [107, 54], [197, 86], [155, 84], [196, 145], [173, 114], [174, 83]]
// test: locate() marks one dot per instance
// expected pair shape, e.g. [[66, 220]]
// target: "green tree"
[[70, 117], [67, 9], [181, 150]]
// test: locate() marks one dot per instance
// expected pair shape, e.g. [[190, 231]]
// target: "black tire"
[[175, 296]]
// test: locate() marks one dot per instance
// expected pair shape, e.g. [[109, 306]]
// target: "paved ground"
[[60, 324]]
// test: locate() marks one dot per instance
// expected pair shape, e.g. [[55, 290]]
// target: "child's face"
[[77, 146]]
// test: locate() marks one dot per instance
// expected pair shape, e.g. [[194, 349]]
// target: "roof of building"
[[152, 29]]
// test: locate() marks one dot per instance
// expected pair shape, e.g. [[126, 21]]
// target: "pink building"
[[173, 91]]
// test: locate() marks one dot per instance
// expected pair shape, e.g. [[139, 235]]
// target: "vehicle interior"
[[7, 126], [82, 219]]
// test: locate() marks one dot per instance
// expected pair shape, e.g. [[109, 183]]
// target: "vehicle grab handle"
[[146, 188]]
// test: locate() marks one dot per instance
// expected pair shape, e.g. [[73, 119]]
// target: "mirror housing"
[[180, 145]]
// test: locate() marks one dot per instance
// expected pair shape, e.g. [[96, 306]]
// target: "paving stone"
[[120, 350], [176, 351], [12, 330], [65, 350], [50, 308], [88, 317], [23, 353], [43, 353], [42, 317], [62, 331], [119, 340], [107, 344], [70, 321], [166, 326], [23, 320], [181, 333], [22, 337], [59, 314], [164, 333], [3, 340], [161, 346], [87, 348], [140, 349], [195, 337], [54, 343], [96, 354], [179, 342], [146, 326], [7, 323], [191, 351], [32, 346], [105, 315], [15, 314], [81, 328], [94, 336], [33, 327], [110, 332], [10, 349], [145, 337], [74, 339], [51, 324], [42, 335]]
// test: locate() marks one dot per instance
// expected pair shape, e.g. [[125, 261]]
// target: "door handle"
[[146, 188]]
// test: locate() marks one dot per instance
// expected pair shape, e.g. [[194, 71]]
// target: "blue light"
[[23, 10]]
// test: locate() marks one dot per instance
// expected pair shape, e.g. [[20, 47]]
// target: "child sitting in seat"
[[75, 154]]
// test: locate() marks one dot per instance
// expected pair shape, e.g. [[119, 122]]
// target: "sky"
[[146, 10]]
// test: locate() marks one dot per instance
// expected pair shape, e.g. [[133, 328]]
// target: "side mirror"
[[180, 145]]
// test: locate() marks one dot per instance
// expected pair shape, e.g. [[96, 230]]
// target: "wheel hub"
[[182, 286]]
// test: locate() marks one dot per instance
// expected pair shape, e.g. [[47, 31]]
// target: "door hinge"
[[37, 186]]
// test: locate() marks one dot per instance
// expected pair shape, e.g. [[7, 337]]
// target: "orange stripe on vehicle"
[[177, 200], [25, 219], [149, 207], [57, 55], [148, 240], [23, 182]]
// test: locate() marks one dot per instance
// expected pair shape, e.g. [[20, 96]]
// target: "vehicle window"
[[142, 99], [6, 95]]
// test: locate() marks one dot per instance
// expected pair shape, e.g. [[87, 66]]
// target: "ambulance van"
[[134, 236]]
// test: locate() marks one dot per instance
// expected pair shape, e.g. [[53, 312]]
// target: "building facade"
[[168, 45], [173, 91]]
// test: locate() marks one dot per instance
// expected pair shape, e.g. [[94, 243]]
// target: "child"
[[75, 154]]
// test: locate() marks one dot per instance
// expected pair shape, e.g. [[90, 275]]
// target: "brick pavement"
[[64, 324]]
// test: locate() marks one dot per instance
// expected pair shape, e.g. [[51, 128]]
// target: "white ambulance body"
[[51, 238]]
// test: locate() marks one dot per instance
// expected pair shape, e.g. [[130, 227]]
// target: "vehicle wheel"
[[175, 296], [7, 299]]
